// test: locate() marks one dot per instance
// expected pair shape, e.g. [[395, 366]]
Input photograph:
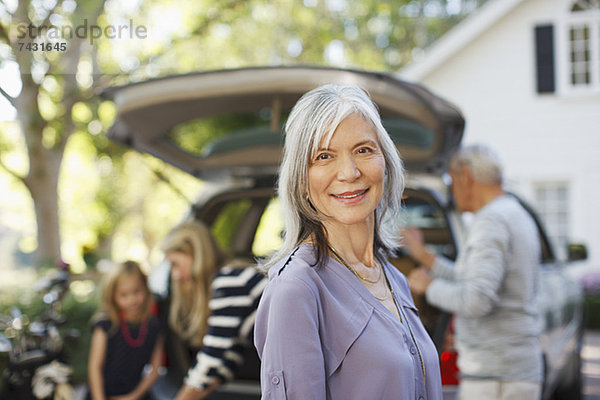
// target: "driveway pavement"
[[590, 355]]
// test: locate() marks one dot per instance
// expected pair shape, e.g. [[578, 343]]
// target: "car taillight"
[[448, 367]]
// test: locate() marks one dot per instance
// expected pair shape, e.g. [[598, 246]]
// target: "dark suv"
[[224, 127]]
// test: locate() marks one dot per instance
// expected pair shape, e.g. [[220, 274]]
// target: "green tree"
[[58, 108], [51, 88], [366, 34]]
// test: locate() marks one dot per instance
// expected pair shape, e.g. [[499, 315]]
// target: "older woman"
[[212, 306], [336, 320]]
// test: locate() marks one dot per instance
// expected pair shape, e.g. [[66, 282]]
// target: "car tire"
[[570, 387]]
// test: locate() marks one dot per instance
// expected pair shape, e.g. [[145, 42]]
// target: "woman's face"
[[181, 266], [346, 179]]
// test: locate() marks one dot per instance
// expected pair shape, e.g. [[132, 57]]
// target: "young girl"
[[126, 337]]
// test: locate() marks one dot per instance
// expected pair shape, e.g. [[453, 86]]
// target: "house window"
[[580, 62], [567, 53], [552, 204], [585, 5], [583, 45]]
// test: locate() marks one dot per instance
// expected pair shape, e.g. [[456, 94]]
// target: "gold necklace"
[[341, 260], [388, 291]]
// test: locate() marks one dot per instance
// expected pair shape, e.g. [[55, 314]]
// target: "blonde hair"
[[313, 121], [108, 308], [189, 310]]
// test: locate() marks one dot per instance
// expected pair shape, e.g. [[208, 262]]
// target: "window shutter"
[[544, 58]]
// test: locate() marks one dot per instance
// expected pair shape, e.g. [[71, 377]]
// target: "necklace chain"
[[388, 291], [340, 259]]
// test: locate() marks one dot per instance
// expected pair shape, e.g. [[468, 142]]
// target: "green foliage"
[[192, 136], [362, 34], [78, 310], [78, 313], [228, 221]]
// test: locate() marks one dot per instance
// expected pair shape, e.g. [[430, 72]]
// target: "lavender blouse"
[[321, 334]]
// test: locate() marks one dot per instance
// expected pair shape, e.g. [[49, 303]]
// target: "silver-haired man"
[[491, 288]]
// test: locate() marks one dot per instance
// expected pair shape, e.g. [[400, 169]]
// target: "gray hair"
[[482, 161], [313, 121]]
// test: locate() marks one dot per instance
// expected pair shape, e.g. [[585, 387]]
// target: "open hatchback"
[[230, 121]]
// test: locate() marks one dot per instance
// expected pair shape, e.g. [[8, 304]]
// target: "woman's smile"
[[351, 197]]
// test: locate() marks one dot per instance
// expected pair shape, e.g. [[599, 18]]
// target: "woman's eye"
[[323, 156], [364, 150]]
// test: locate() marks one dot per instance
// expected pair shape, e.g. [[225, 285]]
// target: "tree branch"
[[4, 34], [206, 24], [69, 128], [8, 97], [164, 178], [11, 172]]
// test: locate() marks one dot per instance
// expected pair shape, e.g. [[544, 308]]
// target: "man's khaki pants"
[[471, 389]]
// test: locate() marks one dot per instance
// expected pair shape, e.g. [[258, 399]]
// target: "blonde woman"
[[212, 306]]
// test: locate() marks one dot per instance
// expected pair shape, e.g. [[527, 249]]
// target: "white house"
[[526, 74]]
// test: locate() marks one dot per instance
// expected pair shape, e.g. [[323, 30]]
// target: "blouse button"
[[275, 380], [412, 350]]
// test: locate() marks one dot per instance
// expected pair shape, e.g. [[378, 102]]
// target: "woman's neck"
[[354, 243]]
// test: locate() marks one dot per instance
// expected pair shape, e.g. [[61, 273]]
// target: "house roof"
[[458, 38]]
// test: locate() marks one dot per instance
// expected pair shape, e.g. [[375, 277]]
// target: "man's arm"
[[479, 275]]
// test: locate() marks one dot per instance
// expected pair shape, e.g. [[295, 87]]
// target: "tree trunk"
[[44, 194], [45, 156], [42, 178], [44, 191]]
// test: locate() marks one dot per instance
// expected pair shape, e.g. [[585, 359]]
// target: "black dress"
[[124, 362]]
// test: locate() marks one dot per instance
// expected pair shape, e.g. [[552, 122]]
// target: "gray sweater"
[[492, 289]]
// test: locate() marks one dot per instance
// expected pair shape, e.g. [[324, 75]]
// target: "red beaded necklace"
[[137, 342]]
